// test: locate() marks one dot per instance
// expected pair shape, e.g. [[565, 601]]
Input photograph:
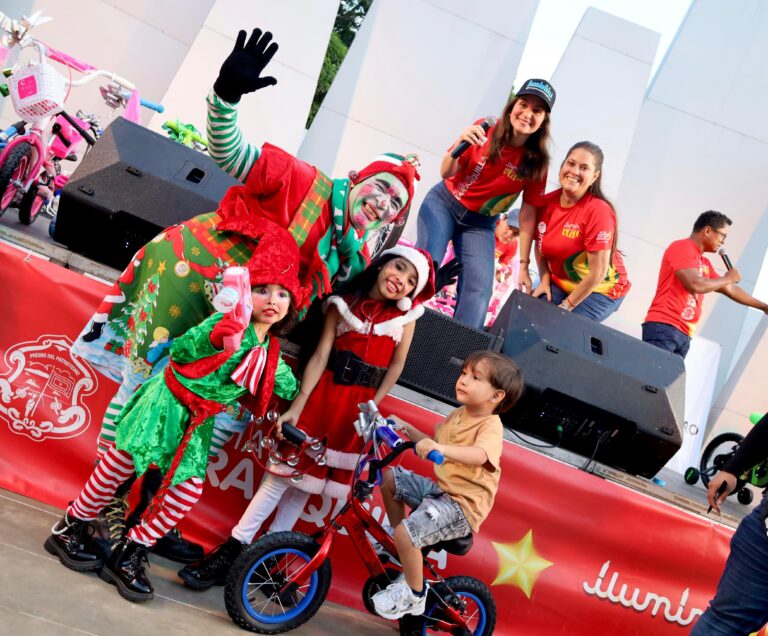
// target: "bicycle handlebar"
[[113, 77], [158, 108]]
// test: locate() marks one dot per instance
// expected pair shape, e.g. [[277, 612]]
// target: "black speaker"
[[437, 354], [131, 185], [591, 389]]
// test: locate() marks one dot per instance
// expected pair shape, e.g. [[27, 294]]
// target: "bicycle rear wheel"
[[252, 593], [467, 595]]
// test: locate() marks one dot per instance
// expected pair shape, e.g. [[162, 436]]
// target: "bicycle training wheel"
[[252, 593], [716, 453]]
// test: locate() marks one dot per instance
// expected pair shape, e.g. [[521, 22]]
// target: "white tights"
[[274, 492]]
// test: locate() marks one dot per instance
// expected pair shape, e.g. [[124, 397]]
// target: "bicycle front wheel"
[[253, 593]]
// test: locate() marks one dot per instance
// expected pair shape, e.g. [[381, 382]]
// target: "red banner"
[[564, 552]]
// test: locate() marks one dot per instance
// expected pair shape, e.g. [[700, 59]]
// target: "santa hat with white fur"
[[425, 273]]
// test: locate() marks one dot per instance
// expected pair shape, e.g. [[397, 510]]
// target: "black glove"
[[241, 71], [447, 274]]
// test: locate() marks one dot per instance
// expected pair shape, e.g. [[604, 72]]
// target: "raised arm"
[[241, 73], [694, 283], [734, 292]]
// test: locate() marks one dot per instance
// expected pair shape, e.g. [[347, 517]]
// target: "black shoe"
[[125, 568], [94, 333], [110, 524], [176, 548], [212, 569], [71, 541]]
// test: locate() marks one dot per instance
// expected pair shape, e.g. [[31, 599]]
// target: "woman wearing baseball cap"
[[499, 161]]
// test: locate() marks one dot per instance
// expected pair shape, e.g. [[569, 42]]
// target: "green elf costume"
[[169, 421]]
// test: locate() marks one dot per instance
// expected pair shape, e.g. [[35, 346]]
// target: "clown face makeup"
[[376, 201]]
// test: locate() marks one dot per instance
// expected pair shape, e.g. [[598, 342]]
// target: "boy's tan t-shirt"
[[473, 487]]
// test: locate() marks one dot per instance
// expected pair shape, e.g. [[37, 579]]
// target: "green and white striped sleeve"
[[226, 145]]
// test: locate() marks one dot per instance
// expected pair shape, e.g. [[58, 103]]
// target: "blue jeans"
[[666, 337], [740, 605], [441, 219], [596, 306]]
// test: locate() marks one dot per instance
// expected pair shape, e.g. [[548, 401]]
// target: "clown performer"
[[169, 420], [366, 336], [168, 283]]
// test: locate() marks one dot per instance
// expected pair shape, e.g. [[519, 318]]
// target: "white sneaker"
[[397, 600]]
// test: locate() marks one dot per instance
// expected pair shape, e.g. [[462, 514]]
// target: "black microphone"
[[725, 257], [458, 150]]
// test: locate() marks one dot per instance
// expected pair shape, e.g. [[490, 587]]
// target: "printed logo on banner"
[[655, 604], [42, 387]]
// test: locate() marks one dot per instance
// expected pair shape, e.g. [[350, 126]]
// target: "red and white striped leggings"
[[113, 469]]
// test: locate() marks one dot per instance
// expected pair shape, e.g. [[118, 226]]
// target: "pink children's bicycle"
[[30, 164]]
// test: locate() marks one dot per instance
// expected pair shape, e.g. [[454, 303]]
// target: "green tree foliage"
[[333, 58], [348, 20]]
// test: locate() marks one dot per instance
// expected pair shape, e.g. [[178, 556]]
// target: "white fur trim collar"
[[392, 327]]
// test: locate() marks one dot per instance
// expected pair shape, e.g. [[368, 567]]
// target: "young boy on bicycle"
[[461, 497]]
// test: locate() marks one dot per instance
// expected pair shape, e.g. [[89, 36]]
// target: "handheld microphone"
[[458, 150], [725, 257]]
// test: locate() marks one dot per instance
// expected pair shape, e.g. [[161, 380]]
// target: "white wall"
[[701, 143], [143, 41], [600, 82], [744, 391], [278, 113], [172, 51], [416, 75]]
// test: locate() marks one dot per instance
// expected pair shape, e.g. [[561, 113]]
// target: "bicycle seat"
[[459, 546]]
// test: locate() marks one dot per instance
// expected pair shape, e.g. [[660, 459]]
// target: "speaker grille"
[[437, 353]]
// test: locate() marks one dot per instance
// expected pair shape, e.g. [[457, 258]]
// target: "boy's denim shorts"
[[435, 515]]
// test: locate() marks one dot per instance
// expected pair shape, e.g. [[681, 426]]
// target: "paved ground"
[[39, 597]]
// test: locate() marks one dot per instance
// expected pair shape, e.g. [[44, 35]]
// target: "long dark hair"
[[286, 323], [360, 285], [535, 159], [596, 189]]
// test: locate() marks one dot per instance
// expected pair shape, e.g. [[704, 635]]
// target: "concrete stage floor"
[[40, 597]]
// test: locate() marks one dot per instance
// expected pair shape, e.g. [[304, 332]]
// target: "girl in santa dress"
[[367, 332]]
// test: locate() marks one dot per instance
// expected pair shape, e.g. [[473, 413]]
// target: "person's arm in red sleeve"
[[694, 283]]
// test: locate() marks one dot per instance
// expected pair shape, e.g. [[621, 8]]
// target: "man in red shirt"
[[685, 276]]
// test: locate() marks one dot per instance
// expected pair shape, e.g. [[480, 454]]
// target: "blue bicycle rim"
[[296, 610]]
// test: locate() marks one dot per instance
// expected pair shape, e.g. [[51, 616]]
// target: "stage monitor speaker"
[[591, 389], [131, 185], [437, 353]]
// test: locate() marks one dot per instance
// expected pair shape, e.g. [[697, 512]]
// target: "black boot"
[[94, 333], [70, 540], [172, 546], [212, 569], [125, 568], [110, 525]]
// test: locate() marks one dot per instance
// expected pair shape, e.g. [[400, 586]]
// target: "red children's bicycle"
[[281, 580]]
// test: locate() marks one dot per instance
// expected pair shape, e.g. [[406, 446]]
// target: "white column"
[[701, 143], [416, 75], [278, 113], [600, 82]]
